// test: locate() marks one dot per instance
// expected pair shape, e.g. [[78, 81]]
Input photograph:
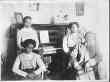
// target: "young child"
[[29, 65]]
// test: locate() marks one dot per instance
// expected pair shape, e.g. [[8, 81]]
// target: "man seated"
[[29, 65]]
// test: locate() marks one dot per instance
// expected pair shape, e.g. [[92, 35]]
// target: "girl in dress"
[[29, 65]]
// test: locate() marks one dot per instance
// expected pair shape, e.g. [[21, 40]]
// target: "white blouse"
[[28, 61], [27, 33], [71, 40]]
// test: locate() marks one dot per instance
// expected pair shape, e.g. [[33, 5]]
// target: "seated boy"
[[29, 65]]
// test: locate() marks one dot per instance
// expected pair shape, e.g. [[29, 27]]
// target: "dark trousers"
[[36, 77]]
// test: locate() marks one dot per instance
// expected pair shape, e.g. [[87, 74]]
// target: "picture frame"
[[18, 17], [79, 8]]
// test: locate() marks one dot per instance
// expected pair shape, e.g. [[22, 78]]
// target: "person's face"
[[29, 48], [27, 23], [74, 28]]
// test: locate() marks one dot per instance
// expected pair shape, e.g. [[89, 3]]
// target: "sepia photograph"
[[54, 40]]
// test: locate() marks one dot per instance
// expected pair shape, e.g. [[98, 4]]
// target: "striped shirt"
[[28, 61], [27, 33]]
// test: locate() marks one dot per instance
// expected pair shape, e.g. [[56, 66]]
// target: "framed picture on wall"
[[18, 17], [79, 8]]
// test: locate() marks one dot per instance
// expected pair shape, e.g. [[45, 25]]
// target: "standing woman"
[[69, 73], [70, 45], [72, 37], [74, 45], [27, 32]]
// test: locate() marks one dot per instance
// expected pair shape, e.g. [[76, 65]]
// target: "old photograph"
[[54, 40]]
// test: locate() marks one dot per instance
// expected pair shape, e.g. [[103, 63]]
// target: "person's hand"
[[31, 75], [77, 66]]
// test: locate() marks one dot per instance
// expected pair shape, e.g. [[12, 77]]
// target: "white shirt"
[[70, 41], [28, 61], [27, 33]]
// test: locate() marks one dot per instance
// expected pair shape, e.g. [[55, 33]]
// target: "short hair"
[[27, 42], [72, 23], [26, 17]]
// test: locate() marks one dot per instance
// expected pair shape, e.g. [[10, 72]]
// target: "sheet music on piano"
[[44, 36]]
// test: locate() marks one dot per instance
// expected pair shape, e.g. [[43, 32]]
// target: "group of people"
[[80, 47]]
